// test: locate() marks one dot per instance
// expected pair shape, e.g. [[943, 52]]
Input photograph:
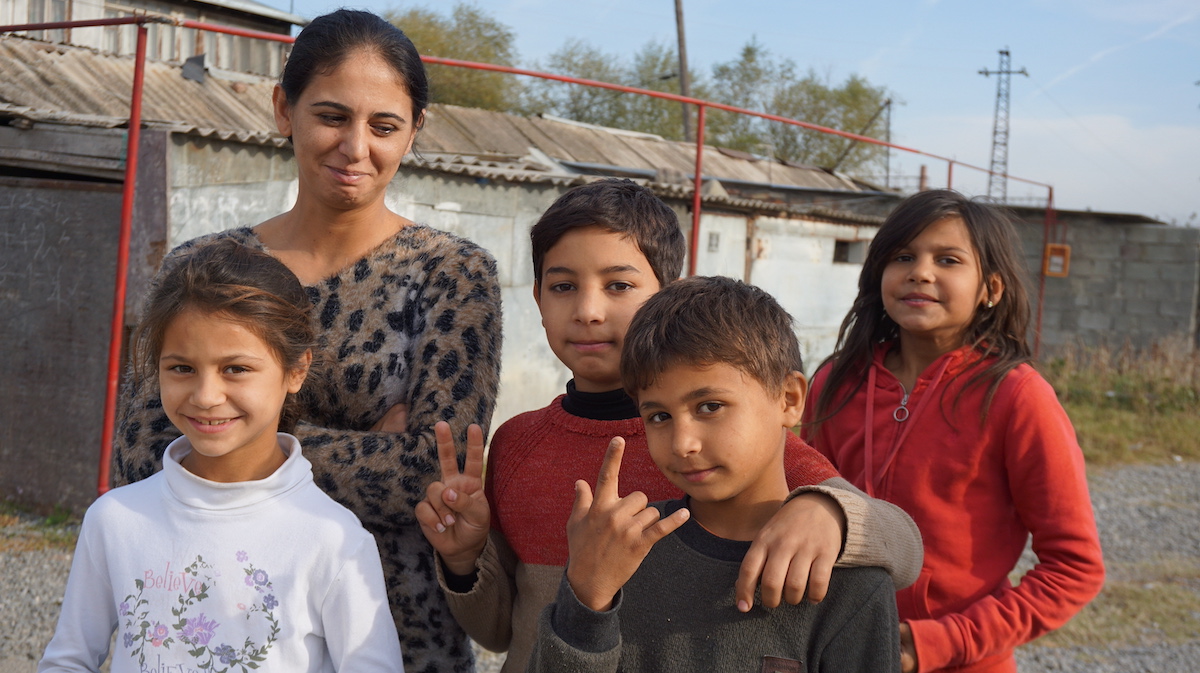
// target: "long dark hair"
[[999, 332], [243, 285]]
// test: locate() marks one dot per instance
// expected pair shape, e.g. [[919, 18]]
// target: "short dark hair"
[[243, 285], [623, 207], [329, 39], [709, 320]]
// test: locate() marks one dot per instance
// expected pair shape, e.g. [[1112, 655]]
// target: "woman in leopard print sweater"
[[409, 316]]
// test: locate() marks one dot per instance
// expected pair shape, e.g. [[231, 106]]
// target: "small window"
[[48, 11], [714, 241], [849, 252]]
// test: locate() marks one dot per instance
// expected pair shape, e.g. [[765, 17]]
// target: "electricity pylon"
[[998, 178]]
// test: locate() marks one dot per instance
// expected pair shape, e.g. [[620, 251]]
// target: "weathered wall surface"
[[58, 243], [794, 261], [1134, 283]]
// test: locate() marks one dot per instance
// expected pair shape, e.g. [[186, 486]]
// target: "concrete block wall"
[[1127, 282]]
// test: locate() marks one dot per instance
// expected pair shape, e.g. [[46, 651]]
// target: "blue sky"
[[1110, 114]]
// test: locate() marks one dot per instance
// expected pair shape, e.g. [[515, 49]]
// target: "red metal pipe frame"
[[697, 180], [716, 106], [133, 143], [118, 319], [134, 140], [1047, 226]]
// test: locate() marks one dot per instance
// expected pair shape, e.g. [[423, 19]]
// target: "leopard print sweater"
[[415, 321]]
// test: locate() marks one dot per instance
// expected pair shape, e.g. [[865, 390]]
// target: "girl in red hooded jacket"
[[929, 401]]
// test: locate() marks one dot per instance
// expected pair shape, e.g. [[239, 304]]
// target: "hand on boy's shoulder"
[[608, 536], [793, 555]]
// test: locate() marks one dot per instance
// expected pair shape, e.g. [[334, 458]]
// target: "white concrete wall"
[[793, 260]]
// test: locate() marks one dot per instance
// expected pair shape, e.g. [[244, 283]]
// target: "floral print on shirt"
[[191, 627]]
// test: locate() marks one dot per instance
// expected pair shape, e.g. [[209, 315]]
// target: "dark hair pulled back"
[[331, 38]]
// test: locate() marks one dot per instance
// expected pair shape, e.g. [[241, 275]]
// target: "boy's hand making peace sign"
[[608, 536], [454, 515]]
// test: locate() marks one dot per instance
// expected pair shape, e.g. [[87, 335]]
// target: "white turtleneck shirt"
[[196, 575]]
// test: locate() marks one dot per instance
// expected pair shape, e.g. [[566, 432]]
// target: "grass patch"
[[1113, 436], [21, 531], [1131, 405], [1134, 614]]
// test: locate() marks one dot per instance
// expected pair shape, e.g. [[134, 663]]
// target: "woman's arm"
[[452, 304]]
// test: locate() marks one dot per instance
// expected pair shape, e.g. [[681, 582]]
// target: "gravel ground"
[[1138, 509]]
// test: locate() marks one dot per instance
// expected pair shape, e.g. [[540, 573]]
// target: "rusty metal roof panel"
[[73, 80], [570, 143], [658, 154], [538, 137], [482, 131]]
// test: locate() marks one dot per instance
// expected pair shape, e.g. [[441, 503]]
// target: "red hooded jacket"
[[977, 489]]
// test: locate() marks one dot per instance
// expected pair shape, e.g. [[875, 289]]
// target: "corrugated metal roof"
[[51, 82], [72, 85]]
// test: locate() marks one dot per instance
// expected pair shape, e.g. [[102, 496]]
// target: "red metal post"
[[118, 320], [697, 183], [1047, 225]]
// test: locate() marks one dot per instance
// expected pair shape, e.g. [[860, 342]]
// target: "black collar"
[[611, 405]]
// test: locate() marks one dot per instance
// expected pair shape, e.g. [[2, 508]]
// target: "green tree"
[[758, 81], [654, 67], [467, 34], [590, 105]]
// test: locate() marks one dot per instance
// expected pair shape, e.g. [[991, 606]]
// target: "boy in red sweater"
[[599, 252]]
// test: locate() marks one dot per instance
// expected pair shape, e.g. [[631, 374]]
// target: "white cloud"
[[1105, 162], [1100, 55]]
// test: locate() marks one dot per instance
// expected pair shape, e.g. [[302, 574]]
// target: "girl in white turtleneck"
[[230, 558]]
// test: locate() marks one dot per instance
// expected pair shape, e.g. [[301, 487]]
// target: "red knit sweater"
[[536, 458], [977, 490]]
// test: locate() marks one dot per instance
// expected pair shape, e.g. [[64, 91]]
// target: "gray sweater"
[[677, 614]]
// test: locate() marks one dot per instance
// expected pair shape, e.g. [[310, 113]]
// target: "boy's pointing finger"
[[610, 469]]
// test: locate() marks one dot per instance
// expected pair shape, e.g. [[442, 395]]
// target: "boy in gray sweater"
[[714, 368]]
